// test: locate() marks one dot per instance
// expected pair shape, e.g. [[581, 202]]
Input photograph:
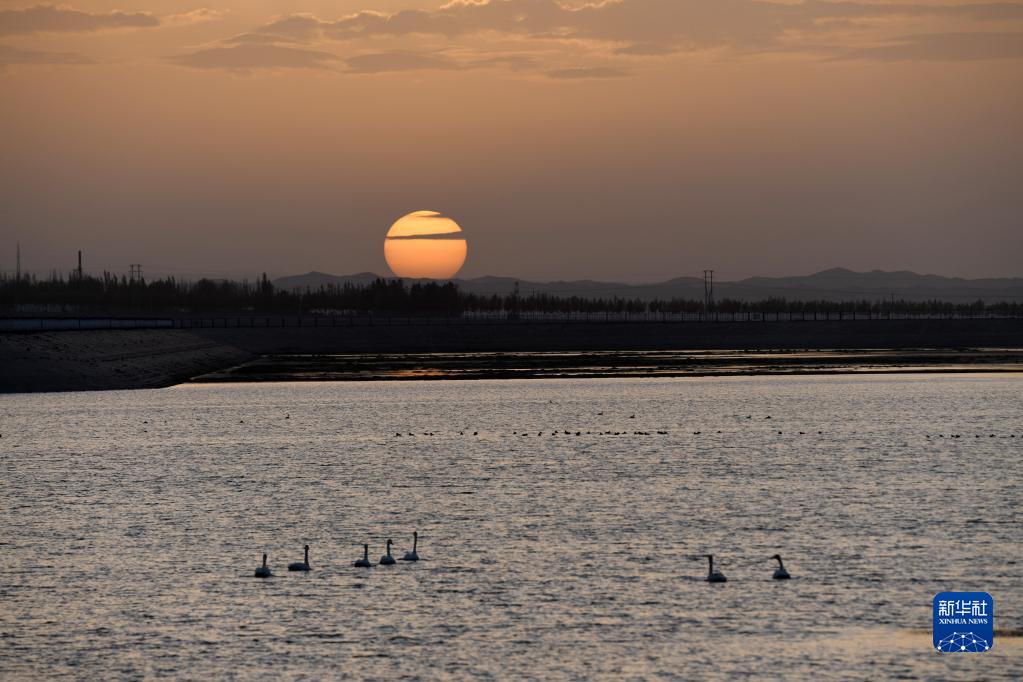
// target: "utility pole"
[[79, 265], [136, 271], [17, 275], [708, 290]]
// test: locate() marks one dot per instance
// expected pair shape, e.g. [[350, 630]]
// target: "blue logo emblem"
[[964, 622]]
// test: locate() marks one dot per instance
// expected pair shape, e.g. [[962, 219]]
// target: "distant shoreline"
[[153, 358], [597, 365]]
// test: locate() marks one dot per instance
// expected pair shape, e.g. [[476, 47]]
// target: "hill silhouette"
[[835, 284]]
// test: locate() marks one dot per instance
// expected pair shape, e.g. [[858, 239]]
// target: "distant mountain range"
[[836, 284]]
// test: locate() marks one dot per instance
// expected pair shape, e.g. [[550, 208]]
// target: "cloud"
[[399, 60], [247, 57], [696, 24], [944, 47], [513, 62], [15, 55], [298, 26], [51, 19], [585, 73], [562, 41], [644, 50], [196, 16], [259, 39]]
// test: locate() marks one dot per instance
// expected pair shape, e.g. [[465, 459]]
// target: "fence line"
[[28, 324], [314, 321], [53, 324]]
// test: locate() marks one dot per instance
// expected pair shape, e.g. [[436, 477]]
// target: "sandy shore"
[[100, 360]]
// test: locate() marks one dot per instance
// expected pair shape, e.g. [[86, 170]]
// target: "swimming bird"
[[387, 559], [413, 555], [263, 571], [712, 575], [780, 573], [364, 561], [301, 565]]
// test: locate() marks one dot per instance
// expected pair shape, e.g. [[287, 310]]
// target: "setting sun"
[[425, 244]]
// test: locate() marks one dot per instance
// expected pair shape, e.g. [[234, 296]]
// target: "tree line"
[[112, 294]]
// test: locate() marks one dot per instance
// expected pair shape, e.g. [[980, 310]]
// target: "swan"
[[364, 561], [712, 575], [413, 555], [263, 571], [301, 565], [387, 559], [780, 573]]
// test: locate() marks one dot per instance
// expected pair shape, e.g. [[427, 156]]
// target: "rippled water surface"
[[133, 521]]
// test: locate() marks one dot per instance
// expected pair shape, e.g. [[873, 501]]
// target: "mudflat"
[[597, 364]]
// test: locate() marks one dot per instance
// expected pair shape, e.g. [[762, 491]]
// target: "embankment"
[[101, 360], [611, 336]]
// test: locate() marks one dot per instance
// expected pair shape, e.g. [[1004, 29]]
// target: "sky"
[[624, 140]]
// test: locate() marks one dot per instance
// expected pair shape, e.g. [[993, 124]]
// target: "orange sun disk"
[[425, 244]]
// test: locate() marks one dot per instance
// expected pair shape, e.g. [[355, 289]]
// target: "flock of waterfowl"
[[387, 559], [715, 576], [610, 432], [625, 432], [990, 435], [263, 571]]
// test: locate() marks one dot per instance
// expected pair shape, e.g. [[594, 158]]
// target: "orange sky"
[[632, 139]]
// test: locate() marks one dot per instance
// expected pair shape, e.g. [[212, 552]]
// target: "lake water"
[[133, 521]]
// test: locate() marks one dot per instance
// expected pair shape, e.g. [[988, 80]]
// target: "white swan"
[[263, 571], [780, 573], [387, 559], [301, 565], [413, 555], [712, 575], [364, 561]]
